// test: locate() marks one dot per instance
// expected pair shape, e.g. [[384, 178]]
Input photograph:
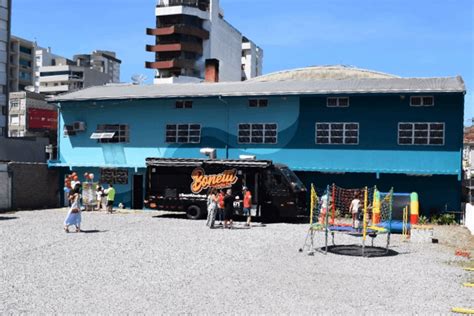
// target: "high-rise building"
[[5, 6], [22, 55], [252, 59], [189, 32], [103, 61]]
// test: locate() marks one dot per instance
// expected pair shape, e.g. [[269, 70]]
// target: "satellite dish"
[[139, 79]]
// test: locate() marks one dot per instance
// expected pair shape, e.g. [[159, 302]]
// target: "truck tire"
[[194, 212]]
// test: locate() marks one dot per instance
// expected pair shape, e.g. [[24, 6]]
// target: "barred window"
[[258, 103], [422, 101], [184, 104], [420, 133], [258, 133], [183, 133], [337, 133], [113, 133], [114, 176], [337, 102]]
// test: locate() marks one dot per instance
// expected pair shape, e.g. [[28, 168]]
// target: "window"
[[69, 130], [337, 102], [337, 133], [4, 110], [422, 101], [258, 103], [421, 133], [183, 133], [14, 120], [114, 176], [180, 104], [258, 133], [120, 133], [25, 50]]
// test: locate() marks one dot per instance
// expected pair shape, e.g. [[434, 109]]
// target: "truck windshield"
[[293, 179]]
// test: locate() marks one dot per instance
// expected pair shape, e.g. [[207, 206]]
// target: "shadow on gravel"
[[7, 218], [93, 231], [172, 216], [356, 251]]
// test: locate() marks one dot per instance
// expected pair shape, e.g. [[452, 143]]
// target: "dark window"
[[25, 50], [183, 133], [421, 133], [120, 131], [114, 176], [422, 101], [182, 104], [69, 130], [4, 110], [258, 103], [337, 133], [258, 133], [335, 102]]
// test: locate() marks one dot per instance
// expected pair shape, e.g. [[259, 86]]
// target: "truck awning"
[[242, 163]]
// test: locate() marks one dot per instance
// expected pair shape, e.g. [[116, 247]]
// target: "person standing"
[[220, 207], [73, 217], [211, 207], [110, 198], [228, 209], [247, 205], [354, 210], [98, 193]]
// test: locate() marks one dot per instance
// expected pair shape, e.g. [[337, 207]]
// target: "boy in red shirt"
[[247, 205]]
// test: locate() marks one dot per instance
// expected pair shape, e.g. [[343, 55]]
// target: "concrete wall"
[[31, 150], [470, 217], [34, 186]]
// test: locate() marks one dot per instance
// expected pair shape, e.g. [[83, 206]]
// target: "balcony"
[[179, 29], [200, 4], [170, 64], [176, 47]]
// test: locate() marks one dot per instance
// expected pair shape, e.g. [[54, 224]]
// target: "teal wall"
[[377, 153]]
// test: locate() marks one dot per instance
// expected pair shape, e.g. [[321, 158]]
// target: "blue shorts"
[[247, 211]]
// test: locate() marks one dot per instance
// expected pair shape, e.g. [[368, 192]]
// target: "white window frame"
[[343, 133], [188, 133], [337, 102], [105, 133], [428, 137], [421, 100], [250, 130]]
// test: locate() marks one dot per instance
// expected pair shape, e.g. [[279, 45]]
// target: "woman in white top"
[[354, 208], [211, 207]]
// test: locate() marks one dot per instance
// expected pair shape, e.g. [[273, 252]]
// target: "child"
[[74, 214], [354, 210]]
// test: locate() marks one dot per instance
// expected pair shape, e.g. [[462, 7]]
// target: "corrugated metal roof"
[[233, 89]]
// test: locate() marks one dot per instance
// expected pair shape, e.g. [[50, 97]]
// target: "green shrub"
[[423, 220], [443, 219]]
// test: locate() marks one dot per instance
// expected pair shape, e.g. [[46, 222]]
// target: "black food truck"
[[181, 185]]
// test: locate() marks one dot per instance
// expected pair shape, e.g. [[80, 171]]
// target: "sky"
[[409, 38]]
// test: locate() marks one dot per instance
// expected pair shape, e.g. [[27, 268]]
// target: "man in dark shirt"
[[228, 209]]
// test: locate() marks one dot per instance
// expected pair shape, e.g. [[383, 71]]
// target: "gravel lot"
[[144, 263]]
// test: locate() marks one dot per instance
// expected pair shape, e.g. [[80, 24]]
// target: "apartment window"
[[422, 101], [111, 133], [183, 104], [183, 133], [258, 133], [337, 133], [258, 103], [337, 102], [420, 133], [25, 50]]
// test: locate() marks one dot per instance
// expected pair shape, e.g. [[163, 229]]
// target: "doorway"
[[137, 194]]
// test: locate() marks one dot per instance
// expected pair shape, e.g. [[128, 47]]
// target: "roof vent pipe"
[[212, 70]]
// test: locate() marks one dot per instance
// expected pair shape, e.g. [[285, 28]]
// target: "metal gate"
[[5, 188]]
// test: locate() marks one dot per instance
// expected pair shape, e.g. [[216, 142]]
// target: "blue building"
[[355, 129]]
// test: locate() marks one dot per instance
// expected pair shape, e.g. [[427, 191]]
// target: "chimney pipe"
[[212, 70]]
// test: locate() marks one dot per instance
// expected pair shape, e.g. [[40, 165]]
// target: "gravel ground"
[[144, 263]]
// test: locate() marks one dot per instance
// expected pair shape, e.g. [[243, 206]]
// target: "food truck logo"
[[201, 181]]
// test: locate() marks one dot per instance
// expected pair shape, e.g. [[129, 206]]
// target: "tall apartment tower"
[[22, 66], [5, 13], [189, 32]]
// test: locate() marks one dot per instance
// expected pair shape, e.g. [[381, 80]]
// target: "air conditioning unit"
[[79, 126]]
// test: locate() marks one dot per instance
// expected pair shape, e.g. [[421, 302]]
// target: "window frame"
[[422, 104], [337, 102], [250, 136], [343, 134], [185, 104], [189, 130], [413, 137], [258, 103], [118, 138]]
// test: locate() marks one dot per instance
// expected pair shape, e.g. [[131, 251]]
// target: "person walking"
[[73, 217], [110, 198], [211, 208], [354, 210], [228, 209], [220, 205], [247, 205]]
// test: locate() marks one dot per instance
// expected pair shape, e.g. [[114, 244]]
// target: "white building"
[[189, 32], [56, 74], [252, 60]]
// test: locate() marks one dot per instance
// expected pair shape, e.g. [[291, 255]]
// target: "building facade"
[[5, 13], [22, 65], [189, 32], [390, 132], [252, 60], [29, 115]]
